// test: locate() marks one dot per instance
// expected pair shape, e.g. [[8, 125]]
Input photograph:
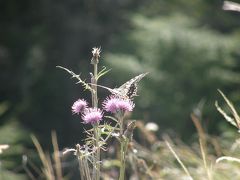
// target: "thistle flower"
[[92, 115], [115, 104], [79, 106]]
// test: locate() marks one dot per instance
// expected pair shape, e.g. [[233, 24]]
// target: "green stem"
[[123, 151], [97, 161], [123, 161], [121, 125], [95, 98]]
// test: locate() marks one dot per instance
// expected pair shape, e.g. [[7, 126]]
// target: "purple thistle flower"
[[111, 104], [114, 104], [126, 105], [92, 115], [79, 106]]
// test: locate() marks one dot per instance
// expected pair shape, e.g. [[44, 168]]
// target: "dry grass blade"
[[47, 167], [56, 156], [228, 118], [228, 158], [50, 170], [33, 166], [202, 143], [179, 161], [204, 155], [233, 110], [199, 128], [26, 169]]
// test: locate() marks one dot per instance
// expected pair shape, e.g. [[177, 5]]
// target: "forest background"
[[189, 48]]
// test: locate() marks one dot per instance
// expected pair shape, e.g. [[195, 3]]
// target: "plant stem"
[[121, 124], [86, 166], [95, 126], [97, 161], [95, 98], [123, 144], [123, 160], [81, 168]]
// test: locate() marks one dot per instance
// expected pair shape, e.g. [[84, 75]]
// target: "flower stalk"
[[94, 62], [126, 138], [118, 106], [123, 144]]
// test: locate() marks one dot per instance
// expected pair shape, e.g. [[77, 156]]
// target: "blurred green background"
[[190, 48]]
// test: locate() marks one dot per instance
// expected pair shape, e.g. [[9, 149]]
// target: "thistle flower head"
[[92, 115], [79, 106], [115, 104]]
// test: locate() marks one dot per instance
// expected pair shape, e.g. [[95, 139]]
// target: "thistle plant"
[[118, 104], [94, 115], [118, 107]]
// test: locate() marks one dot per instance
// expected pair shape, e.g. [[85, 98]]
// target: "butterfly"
[[128, 89]]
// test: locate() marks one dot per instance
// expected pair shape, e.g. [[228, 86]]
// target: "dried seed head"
[[96, 54]]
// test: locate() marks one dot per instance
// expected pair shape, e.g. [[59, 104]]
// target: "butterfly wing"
[[129, 89], [136, 79]]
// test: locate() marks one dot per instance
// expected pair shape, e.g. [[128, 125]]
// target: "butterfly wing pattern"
[[128, 89]]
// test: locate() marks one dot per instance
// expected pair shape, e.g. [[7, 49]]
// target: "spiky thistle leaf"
[[80, 81]]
